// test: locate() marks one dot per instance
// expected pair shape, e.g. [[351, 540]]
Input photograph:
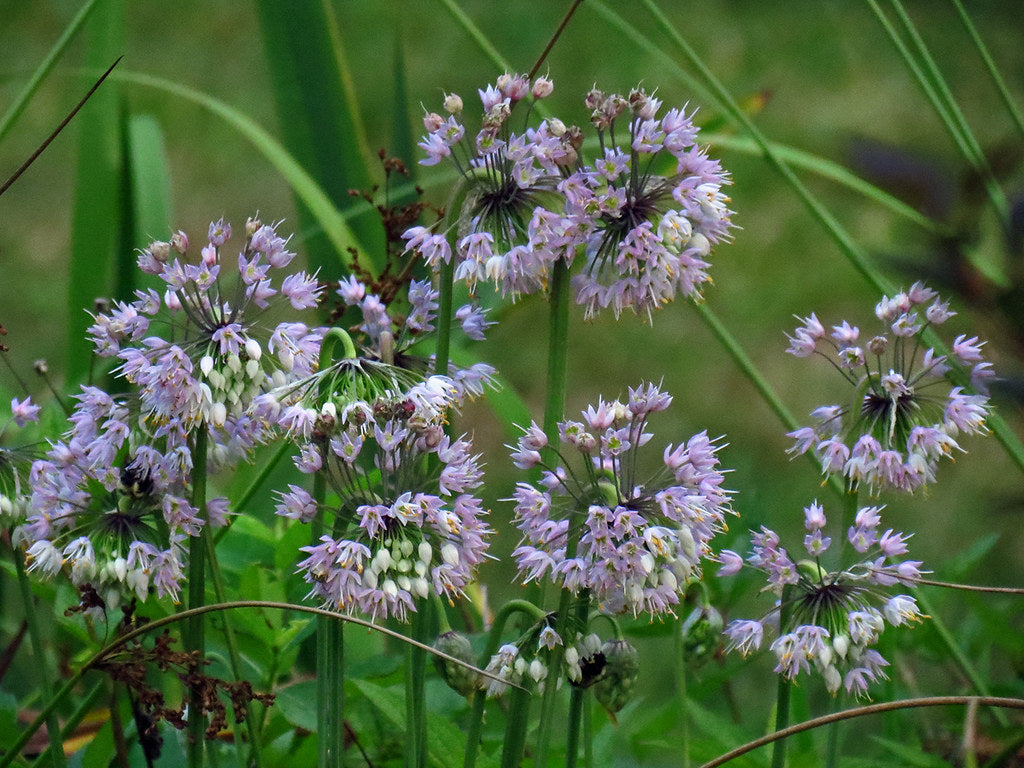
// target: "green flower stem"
[[519, 704], [415, 690], [547, 703], [558, 348], [870, 709], [85, 706], [832, 746], [680, 670], [782, 691], [330, 640], [195, 630], [187, 615], [255, 756], [993, 71], [117, 725], [331, 338], [588, 734], [446, 289], [577, 697], [56, 748]]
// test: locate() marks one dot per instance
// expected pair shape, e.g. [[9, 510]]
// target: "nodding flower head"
[[198, 353], [638, 540], [902, 419], [406, 524], [828, 621]]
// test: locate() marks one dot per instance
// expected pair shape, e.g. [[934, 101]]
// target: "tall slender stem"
[[446, 289], [56, 748], [683, 710], [577, 697], [782, 692], [558, 349], [195, 630]]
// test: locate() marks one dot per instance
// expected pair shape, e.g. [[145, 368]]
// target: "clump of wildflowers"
[[829, 619], [639, 539], [404, 523], [646, 213], [206, 362], [649, 230], [526, 660], [901, 419], [109, 504]]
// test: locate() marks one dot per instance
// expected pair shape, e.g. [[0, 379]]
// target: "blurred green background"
[[820, 76]]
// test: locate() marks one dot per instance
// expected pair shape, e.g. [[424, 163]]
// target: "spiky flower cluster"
[[646, 213], [404, 522], [110, 504], [829, 620], [207, 363], [639, 540], [526, 660], [902, 419], [649, 230]]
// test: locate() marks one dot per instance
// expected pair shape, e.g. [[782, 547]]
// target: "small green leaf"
[[297, 704]]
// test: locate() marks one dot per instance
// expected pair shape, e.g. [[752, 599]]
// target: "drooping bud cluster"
[[406, 525], [896, 430], [830, 619]]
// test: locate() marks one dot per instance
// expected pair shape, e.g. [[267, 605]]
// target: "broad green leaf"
[[150, 182], [97, 207], [305, 186], [319, 115], [444, 740], [297, 704]]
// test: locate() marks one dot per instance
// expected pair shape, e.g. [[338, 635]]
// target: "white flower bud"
[[537, 670], [218, 414], [234, 362], [404, 582], [841, 644], [420, 587], [450, 553], [206, 365], [252, 368], [389, 588], [425, 552], [253, 349]]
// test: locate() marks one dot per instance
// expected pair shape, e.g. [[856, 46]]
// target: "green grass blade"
[[990, 65], [323, 210], [477, 34], [21, 100], [827, 169], [319, 118], [96, 211], [931, 81]]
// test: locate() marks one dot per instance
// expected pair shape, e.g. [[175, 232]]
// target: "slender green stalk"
[[832, 746], [782, 691], [446, 289], [195, 630], [990, 65], [35, 634], [117, 725], [558, 348], [330, 642], [518, 707], [415, 690], [683, 710], [577, 697], [84, 707], [255, 757], [588, 734]]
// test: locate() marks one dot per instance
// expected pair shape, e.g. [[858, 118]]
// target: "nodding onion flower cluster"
[[208, 362], [902, 419], [639, 539], [646, 213], [829, 620], [403, 522], [110, 503]]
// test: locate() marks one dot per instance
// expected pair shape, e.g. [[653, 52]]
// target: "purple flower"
[[901, 428], [23, 412]]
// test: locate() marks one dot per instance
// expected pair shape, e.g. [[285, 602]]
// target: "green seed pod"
[[459, 678], [622, 665], [702, 633]]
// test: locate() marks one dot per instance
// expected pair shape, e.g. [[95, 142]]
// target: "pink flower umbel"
[[830, 619], [406, 524], [902, 419], [642, 540]]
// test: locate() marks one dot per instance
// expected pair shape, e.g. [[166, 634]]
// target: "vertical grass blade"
[[96, 212], [320, 124]]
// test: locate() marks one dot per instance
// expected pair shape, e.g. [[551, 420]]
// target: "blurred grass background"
[[827, 79]]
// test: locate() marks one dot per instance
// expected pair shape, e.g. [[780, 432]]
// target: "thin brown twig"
[[58, 129], [870, 709], [554, 38]]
